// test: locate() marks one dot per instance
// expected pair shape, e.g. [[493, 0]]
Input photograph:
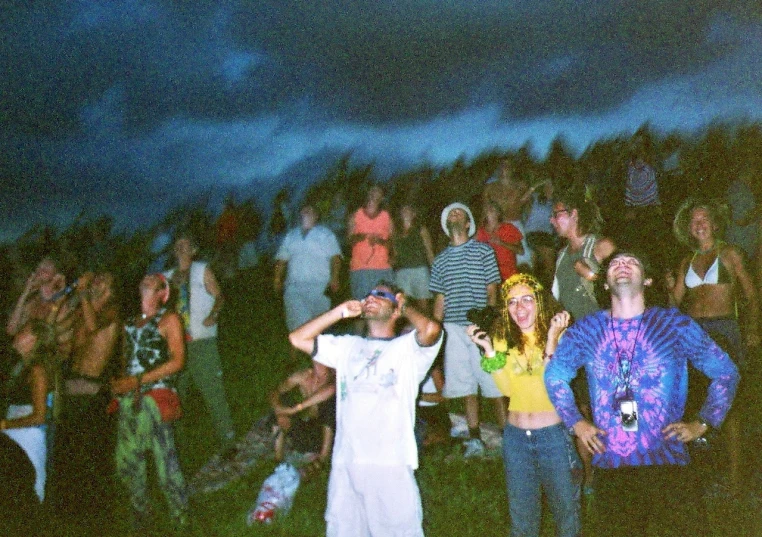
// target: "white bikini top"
[[714, 275]]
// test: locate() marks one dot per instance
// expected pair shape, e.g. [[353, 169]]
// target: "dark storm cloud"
[[362, 60], [407, 60], [130, 106]]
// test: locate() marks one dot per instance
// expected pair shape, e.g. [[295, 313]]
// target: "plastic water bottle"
[[276, 495]]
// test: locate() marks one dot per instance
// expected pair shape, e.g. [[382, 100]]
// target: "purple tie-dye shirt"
[[658, 346]]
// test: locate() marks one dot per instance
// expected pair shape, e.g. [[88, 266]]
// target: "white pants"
[[373, 501], [32, 441]]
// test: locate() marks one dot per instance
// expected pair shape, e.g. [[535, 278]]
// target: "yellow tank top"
[[524, 385]]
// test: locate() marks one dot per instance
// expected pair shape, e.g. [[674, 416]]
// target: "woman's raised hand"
[[480, 338], [558, 324]]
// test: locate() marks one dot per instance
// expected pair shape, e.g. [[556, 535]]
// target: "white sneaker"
[[473, 448]]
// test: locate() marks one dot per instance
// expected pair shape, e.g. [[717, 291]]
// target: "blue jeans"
[[546, 458]]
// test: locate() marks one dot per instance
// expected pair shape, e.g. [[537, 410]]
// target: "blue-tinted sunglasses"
[[379, 293]]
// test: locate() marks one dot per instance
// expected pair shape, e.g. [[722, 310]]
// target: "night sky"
[[129, 107]]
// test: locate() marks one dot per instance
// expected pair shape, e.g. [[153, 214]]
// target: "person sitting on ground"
[[307, 426]]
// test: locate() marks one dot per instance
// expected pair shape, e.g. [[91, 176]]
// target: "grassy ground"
[[463, 498]]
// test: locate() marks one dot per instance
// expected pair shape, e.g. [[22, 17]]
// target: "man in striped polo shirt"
[[465, 276]]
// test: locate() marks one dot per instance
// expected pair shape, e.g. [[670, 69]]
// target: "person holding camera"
[[636, 360], [538, 451]]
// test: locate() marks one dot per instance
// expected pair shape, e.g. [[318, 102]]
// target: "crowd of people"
[[606, 358], [91, 388]]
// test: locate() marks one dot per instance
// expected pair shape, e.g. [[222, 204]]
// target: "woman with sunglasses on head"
[[538, 451], [154, 352]]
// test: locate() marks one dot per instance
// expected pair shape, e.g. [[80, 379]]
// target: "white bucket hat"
[[457, 205]]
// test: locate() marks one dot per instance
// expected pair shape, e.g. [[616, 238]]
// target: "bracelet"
[[403, 308], [494, 363], [546, 355]]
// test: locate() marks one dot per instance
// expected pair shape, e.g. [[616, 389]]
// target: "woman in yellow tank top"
[[538, 451]]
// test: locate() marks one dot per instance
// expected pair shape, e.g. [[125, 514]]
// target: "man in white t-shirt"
[[372, 488], [310, 259]]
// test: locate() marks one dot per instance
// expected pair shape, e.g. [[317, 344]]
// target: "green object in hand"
[[497, 362]]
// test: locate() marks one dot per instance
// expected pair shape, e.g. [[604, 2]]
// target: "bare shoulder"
[[170, 319]]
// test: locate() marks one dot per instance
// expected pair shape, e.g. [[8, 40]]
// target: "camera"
[[628, 411], [484, 318]]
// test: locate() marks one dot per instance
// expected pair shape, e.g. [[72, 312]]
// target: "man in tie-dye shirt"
[[636, 359]]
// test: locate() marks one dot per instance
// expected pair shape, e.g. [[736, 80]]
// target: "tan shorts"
[[462, 366]]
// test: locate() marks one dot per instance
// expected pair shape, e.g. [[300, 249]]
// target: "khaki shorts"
[[462, 366]]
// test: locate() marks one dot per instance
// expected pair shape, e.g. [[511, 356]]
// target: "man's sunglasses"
[[379, 293]]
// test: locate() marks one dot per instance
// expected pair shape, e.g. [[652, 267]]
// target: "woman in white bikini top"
[[711, 299], [710, 279]]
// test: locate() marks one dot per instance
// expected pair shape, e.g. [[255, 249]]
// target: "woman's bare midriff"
[[710, 300], [533, 420]]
